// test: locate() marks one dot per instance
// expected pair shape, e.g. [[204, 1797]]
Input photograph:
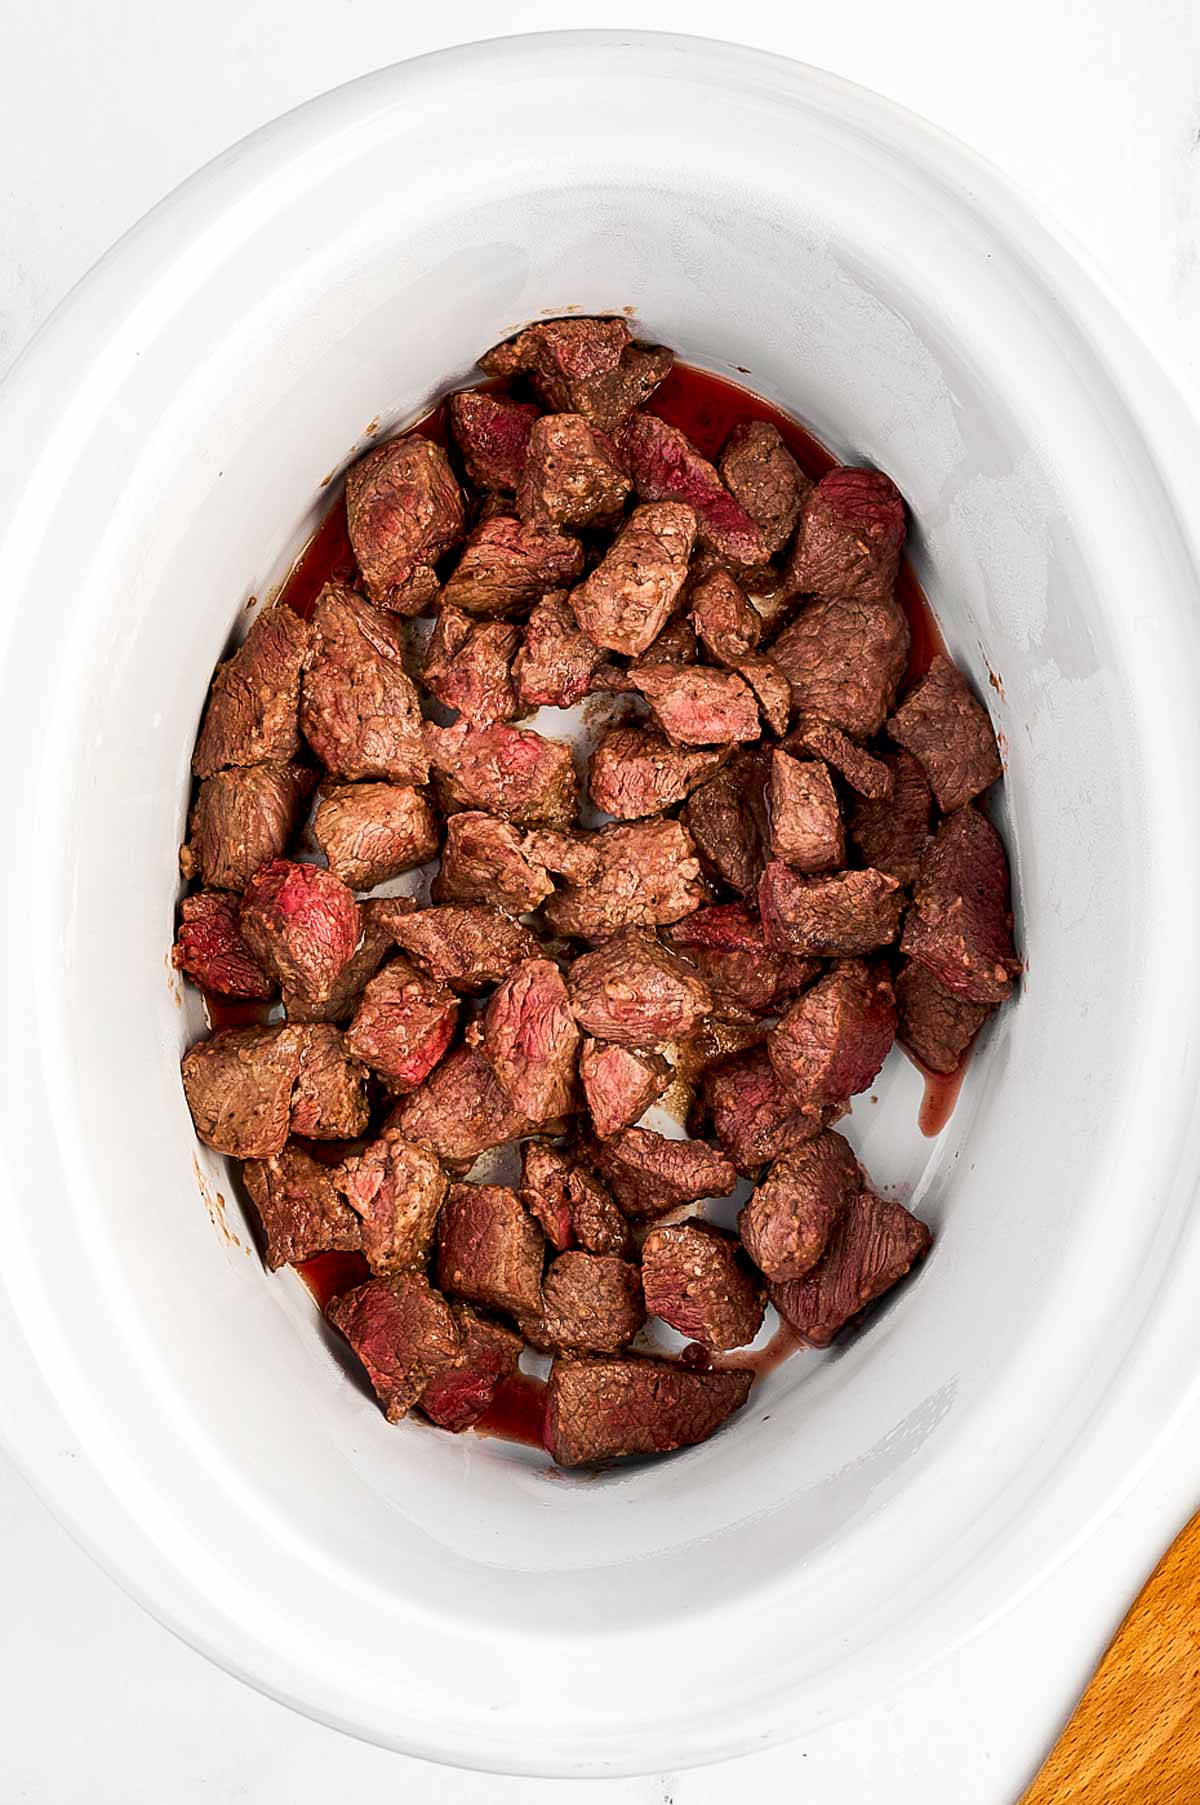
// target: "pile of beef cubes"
[[789, 871]]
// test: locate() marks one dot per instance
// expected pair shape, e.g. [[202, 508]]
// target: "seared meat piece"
[[676, 644], [832, 1042], [210, 949], [572, 856], [241, 820], [490, 1250], [467, 666], [713, 1042], [647, 876], [625, 602], [602, 1409], [460, 1111], [492, 433], [634, 772], [844, 661], [945, 725], [633, 991], [869, 776], [459, 1395], [666, 466], [772, 691], [788, 1221], [724, 927], [571, 1204], [506, 771], [468, 948], [531, 1041], [935, 1024], [301, 1212], [555, 664], [373, 946], [745, 985], [698, 1280], [698, 706], [592, 1303], [507, 565], [806, 823], [571, 475], [871, 1248], [726, 625], [239, 1085], [764, 478], [850, 539], [252, 716], [891, 835], [852, 912], [358, 708], [404, 510], [650, 1174], [370, 832], [727, 819], [398, 1189], [584, 366], [752, 1115], [960, 924], [329, 1102], [619, 1084], [403, 1024], [483, 861], [403, 1332], [301, 924]]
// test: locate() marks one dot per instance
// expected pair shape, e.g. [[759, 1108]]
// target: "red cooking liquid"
[[941, 1094], [234, 1012], [327, 1275], [765, 1359], [516, 1412]]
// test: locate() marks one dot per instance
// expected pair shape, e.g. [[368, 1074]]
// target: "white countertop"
[[1091, 106]]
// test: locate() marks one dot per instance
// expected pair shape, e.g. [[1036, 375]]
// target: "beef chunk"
[[935, 1024], [960, 924], [505, 771], [571, 475], [467, 948], [626, 600], [742, 985], [403, 1024], [728, 948], [370, 832], [829, 917], [397, 1188], [943, 723], [752, 1115], [531, 1041], [698, 1280], [374, 944], [239, 1089], [647, 876], [871, 1248], [460, 1111], [592, 1304], [241, 820], [633, 991], [619, 1084], [554, 666], [713, 1042], [573, 1207], [467, 667], [490, 1250], [358, 708], [301, 924], [666, 466], [676, 644], [403, 1332], [600, 1410], [698, 706], [210, 949], [650, 1174], [869, 776], [252, 716], [727, 819], [806, 823], [832, 1042], [725, 927], [634, 772], [850, 539], [585, 366], [404, 510], [506, 565], [458, 1395], [329, 1102], [844, 661], [492, 433], [572, 856], [764, 478], [726, 625], [483, 860], [772, 691], [788, 1221], [301, 1212], [891, 835]]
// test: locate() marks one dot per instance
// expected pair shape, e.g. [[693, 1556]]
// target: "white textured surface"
[[1097, 115]]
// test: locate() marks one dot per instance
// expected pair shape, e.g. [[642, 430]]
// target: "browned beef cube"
[[301, 924], [505, 771], [403, 1024], [600, 1409], [806, 823], [742, 985], [483, 861], [960, 924], [586, 366], [676, 644], [571, 475], [242, 819], [404, 510], [626, 600], [569, 855], [844, 661], [944, 724], [727, 819], [647, 875], [666, 466], [619, 1084], [302, 1214], [490, 1250], [752, 1115], [467, 947], [371, 832], [403, 1332], [573, 1207], [458, 1396], [592, 1303], [397, 1188], [555, 664], [787, 1223], [935, 1024], [725, 927], [832, 1042], [726, 625], [698, 1280], [492, 433], [374, 944], [253, 709], [869, 776], [698, 706], [829, 917], [210, 949], [239, 1089], [359, 709], [650, 1174], [871, 1248], [764, 478], [633, 991], [460, 1111], [531, 1041], [329, 1102], [850, 539], [891, 835], [772, 691], [634, 772], [467, 667], [506, 565]]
